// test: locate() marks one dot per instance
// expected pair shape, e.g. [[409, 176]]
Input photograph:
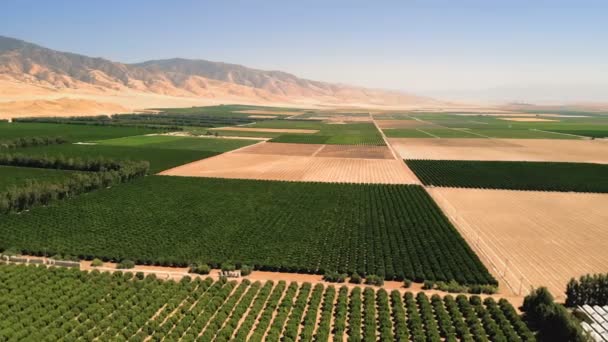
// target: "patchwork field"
[[392, 230], [303, 162], [269, 130], [327, 133], [582, 151], [542, 176], [105, 307], [531, 238], [73, 133]]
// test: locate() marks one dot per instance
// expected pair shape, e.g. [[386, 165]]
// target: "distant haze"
[[503, 50]]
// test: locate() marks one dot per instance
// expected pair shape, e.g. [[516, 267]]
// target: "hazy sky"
[[511, 49]]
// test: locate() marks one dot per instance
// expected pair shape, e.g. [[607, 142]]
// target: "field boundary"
[[512, 276]]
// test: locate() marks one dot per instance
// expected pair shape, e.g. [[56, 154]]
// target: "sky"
[[502, 50]]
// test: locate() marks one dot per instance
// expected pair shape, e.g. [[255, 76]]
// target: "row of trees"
[[591, 289], [105, 173], [31, 141]]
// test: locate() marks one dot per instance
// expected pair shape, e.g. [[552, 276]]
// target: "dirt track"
[[549, 237], [589, 151]]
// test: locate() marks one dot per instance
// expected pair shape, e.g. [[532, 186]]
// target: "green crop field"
[[18, 176], [339, 134], [543, 176], [73, 133], [160, 159], [40, 304], [179, 143], [392, 230]]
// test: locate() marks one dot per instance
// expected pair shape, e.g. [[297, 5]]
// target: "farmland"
[[49, 304], [160, 159], [392, 230], [512, 175], [18, 176], [179, 143], [581, 151], [73, 133], [328, 133], [531, 238], [304, 162]]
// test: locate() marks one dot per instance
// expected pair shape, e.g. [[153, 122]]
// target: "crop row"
[[393, 231], [543, 176], [48, 304]]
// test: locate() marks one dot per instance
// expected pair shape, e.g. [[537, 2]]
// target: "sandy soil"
[[269, 112], [349, 151], [284, 149], [266, 130], [384, 124], [532, 238], [528, 120], [297, 168], [589, 151], [262, 116], [59, 107]]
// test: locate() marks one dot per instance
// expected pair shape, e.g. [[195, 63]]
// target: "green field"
[[160, 159], [40, 304], [392, 230], [459, 125], [542, 176], [18, 176], [179, 143], [339, 134], [73, 133]]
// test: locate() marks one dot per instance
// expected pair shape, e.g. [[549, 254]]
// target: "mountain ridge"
[[32, 64]]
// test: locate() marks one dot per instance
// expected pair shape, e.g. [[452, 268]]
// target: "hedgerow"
[[544, 176], [57, 303], [395, 231]]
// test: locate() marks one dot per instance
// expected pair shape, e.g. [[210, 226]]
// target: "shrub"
[[407, 283], [355, 278], [199, 268], [428, 285], [373, 279], [228, 267], [334, 277], [246, 270], [125, 264], [96, 263]]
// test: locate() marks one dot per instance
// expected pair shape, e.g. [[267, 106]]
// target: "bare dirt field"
[[269, 112], [589, 151], [349, 151], [529, 237], [297, 168], [262, 116], [528, 119], [285, 149], [266, 130], [303, 162], [403, 124]]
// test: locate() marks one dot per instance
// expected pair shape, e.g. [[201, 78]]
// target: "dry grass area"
[[528, 119], [588, 151], [548, 237], [266, 130], [303, 162], [403, 124]]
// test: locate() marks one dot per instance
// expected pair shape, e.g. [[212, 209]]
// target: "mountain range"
[[29, 72]]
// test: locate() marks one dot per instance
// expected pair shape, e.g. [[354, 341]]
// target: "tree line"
[[31, 141], [591, 289], [105, 173]]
